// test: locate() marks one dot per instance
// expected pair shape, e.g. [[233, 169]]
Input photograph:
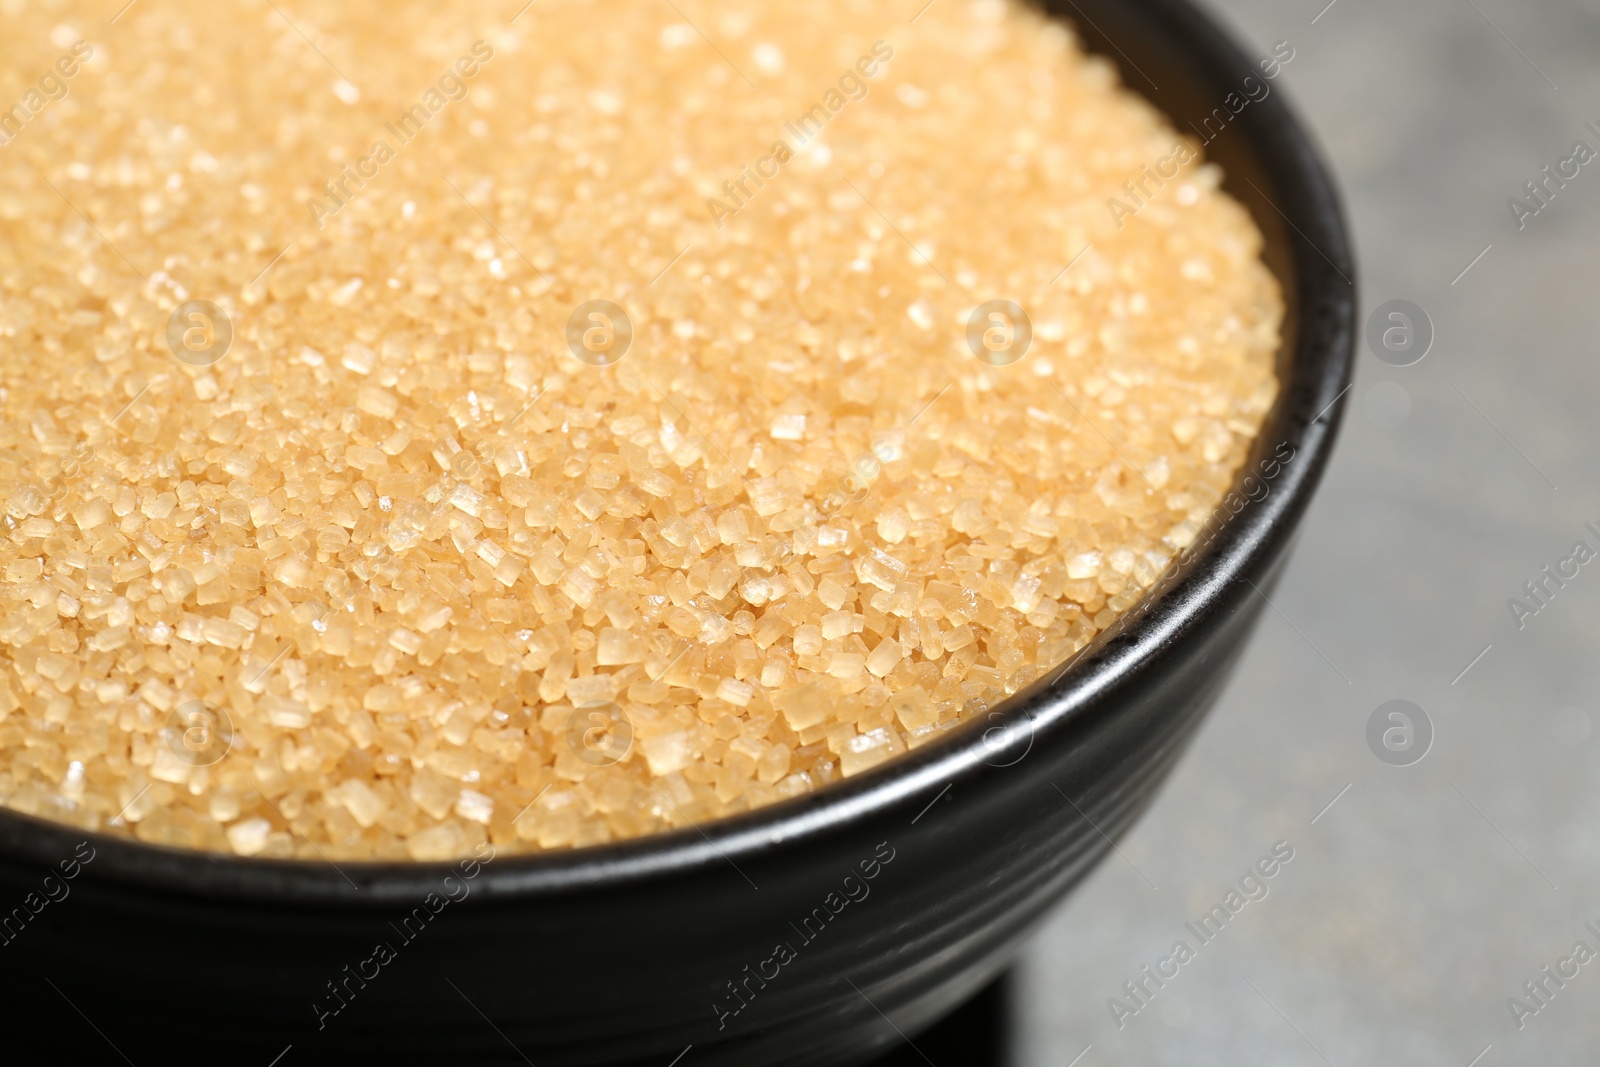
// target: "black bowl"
[[790, 935]]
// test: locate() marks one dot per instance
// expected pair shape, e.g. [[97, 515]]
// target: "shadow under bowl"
[[632, 953]]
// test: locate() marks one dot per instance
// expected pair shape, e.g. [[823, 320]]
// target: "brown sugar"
[[418, 429]]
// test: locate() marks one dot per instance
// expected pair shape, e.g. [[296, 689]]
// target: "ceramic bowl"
[[789, 936]]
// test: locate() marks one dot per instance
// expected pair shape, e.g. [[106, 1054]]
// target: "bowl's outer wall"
[[621, 955]]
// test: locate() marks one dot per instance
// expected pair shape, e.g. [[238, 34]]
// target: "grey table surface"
[[1419, 903]]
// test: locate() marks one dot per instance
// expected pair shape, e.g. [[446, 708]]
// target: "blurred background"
[[1428, 894]]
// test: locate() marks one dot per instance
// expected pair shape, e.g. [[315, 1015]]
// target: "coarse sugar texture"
[[339, 523]]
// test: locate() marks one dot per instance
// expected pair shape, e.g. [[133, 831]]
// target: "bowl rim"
[[1306, 415]]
